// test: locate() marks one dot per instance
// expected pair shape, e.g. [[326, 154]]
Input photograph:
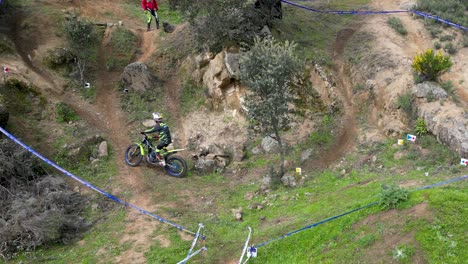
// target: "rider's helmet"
[[157, 117]]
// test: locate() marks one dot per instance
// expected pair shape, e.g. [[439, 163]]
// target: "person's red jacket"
[[149, 4]]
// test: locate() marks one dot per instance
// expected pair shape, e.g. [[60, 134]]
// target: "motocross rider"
[[164, 135]]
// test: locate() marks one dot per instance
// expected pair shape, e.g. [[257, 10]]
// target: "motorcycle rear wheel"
[[176, 166]]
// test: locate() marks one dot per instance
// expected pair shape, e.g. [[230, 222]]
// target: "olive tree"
[[82, 39], [220, 23], [270, 69]]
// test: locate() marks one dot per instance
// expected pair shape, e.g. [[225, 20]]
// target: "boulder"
[[232, 64], [426, 89], [168, 28], [270, 145], [103, 149], [447, 122], [305, 155], [288, 180], [237, 213], [137, 77]]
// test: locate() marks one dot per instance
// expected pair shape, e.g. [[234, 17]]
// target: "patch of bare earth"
[[389, 226]]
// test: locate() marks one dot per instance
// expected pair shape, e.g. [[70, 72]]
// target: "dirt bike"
[[174, 165]]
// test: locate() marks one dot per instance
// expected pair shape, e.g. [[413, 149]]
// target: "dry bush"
[[35, 209]]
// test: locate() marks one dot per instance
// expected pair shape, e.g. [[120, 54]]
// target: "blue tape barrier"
[[87, 184], [358, 12], [442, 183], [354, 210]]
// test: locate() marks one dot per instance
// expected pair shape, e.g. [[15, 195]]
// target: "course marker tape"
[[354, 210], [357, 12]]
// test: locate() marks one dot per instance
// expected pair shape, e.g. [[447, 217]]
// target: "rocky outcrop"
[[210, 158], [137, 77], [221, 77], [446, 121]]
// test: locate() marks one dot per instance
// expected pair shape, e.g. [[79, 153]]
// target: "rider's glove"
[[142, 132]]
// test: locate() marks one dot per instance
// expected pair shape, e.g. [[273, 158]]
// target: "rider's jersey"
[[163, 131]]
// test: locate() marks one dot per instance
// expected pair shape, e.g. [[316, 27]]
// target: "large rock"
[[232, 64], [270, 145], [103, 149], [221, 77], [137, 77], [429, 89], [447, 121], [213, 158]]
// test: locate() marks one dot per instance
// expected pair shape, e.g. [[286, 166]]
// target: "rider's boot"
[[149, 26], [162, 162]]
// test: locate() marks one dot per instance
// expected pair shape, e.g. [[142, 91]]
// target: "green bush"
[[446, 38], [431, 65], [421, 127], [405, 102], [450, 48], [437, 45], [123, 45], [450, 89], [65, 113], [391, 196], [396, 24]]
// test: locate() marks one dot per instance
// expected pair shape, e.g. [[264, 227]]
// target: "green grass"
[[123, 45], [315, 33], [193, 96]]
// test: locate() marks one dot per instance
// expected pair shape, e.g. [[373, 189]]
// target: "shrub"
[[465, 40], [446, 38], [450, 48], [420, 128], [450, 89], [405, 102], [391, 196], [396, 24], [431, 65], [437, 45], [35, 209], [65, 113]]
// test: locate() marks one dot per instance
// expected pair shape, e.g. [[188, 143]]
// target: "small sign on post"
[[411, 137], [464, 162], [6, 72], [252, 252], [299, 171]]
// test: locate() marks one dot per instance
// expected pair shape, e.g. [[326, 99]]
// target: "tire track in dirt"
[[348, 127], [138, 229]]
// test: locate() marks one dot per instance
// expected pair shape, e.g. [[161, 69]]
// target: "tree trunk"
[[280, 144]]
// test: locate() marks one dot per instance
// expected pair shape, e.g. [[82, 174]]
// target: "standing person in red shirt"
[[150, 7]]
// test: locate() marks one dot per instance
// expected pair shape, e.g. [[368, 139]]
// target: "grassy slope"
[[324, 194]]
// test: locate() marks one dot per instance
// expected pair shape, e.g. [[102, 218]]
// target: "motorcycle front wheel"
[[176, 166], [133, 155]]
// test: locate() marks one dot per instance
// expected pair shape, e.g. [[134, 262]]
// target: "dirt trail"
[[348, 127]]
